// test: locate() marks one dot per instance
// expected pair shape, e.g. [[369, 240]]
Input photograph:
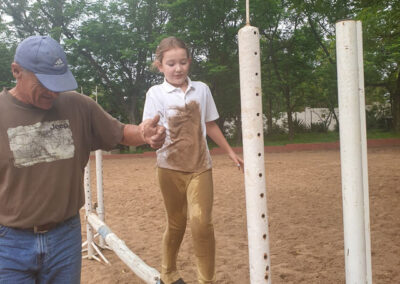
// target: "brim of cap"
[[58, 83]]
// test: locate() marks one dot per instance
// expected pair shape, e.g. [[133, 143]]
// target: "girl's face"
[[175, 66]]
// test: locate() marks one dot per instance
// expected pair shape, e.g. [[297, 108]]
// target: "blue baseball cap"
[[45, 57]]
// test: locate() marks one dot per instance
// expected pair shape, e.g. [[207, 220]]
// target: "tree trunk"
[[238, 123], [331, 108], [396, 106], [58, 20], [269, 114], [132, 115], [131, 108], [269, 104], [289, 113]]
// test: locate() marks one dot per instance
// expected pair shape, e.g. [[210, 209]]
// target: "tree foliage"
[[110, 46], [381, 25], [7, 50]]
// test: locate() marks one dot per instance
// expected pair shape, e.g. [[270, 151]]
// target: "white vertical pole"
[[351, 152], [100, 193], [253, 153], [364, 149], [99, 184], [88, 207]]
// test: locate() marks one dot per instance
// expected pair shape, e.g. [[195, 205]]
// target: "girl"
[[188, 113]]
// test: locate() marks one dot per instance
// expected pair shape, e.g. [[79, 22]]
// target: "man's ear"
[[16, 70]]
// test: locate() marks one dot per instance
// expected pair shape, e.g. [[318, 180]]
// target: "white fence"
[[307, 117]]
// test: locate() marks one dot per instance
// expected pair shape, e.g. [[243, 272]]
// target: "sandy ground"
[[305, 218]]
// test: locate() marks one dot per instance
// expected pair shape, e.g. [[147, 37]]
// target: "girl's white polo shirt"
[[184, 115]]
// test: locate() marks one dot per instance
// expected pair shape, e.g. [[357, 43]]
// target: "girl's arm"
[[216, 135]]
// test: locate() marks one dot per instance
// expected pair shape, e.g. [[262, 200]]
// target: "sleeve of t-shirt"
[[106, 131], [211, 109], [152, 106]]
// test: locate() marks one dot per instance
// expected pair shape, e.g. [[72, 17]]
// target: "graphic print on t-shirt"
[[41, 142]]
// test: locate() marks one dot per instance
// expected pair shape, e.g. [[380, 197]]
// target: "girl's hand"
[[238, 161]]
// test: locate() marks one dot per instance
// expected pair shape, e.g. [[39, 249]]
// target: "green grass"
[[139, 150], [300, 138], [382, 134]]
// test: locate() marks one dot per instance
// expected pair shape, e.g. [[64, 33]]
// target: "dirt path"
[[305, 216]]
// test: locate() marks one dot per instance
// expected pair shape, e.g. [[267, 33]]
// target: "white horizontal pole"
[[138, 266]]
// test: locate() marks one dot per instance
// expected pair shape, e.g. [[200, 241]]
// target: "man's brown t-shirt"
[[43, 154]]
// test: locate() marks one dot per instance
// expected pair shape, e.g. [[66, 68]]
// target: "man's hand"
[[152, 133], [147, 132]]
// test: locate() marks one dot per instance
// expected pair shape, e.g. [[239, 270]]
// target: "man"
[[46, 134]]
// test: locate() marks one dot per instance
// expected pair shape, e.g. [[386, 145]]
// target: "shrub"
[[299, 126], [276, 129], [376, 118], [320, 127]]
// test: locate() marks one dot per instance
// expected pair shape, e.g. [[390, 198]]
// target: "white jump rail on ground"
[[96, 222], [137, 265], [353, 152]]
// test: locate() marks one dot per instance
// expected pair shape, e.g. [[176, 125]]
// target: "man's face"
[[37, 94], [31, 91]]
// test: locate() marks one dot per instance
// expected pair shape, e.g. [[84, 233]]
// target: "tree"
[[109, 44], [7, 50], [117, 41], [321, 16], [210, 28], [288, 58], [381, 33]]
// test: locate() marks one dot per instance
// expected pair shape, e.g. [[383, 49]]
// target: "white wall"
[[311, 115], [308, 116]]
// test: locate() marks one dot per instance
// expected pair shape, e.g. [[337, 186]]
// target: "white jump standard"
[[353, 152], [94, 222], [253, 153]]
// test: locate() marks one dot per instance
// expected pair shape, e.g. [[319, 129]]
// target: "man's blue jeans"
[[51, 257]]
